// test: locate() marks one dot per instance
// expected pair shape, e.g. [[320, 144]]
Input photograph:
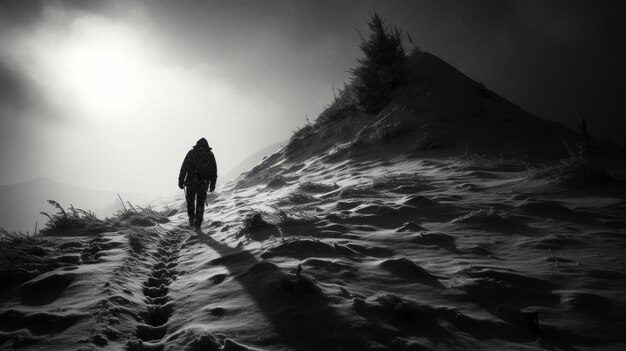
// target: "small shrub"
[[254, 221], [383, 67], [256, 227]]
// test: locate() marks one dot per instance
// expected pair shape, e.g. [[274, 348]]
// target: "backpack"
[[203, 167]]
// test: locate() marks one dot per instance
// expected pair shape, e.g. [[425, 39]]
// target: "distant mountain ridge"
[[252, 160]]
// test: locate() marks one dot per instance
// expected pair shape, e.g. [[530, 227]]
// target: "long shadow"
[[303, 319], [299, 313]]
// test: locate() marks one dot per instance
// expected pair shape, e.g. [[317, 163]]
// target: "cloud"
[[23, 94], [14, 92], [22, 97]]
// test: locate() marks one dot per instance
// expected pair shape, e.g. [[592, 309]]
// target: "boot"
[[198, 220]]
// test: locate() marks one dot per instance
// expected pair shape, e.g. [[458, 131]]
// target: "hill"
[[427, 225]]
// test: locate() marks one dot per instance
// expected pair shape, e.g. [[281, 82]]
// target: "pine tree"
[[382, 68]]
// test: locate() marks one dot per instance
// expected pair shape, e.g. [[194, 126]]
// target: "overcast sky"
[[111, 95]]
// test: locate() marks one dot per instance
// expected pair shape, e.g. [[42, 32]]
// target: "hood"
[[202, 144]]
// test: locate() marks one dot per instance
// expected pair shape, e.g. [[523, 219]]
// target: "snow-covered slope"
[[366, 232]]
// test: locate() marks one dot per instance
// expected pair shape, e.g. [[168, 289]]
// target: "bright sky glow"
[[132, 112], [102, 68]]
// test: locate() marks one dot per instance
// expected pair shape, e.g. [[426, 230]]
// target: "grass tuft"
[[139, 216], [73, 221], [572, 171]]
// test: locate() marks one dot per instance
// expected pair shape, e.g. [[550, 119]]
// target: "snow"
[[354, 238]]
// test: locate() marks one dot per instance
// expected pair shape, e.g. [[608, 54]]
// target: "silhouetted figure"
[[197, 175]]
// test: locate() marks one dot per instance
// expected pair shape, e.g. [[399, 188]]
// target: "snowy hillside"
[[365, 232], [438, 111]]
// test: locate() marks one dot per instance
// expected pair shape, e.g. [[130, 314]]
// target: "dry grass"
[[7, 237], [12, 245], [73, 221], [131, 215], [472, 158], [572, 171], [22, 257], [254, 221], [257, 226], [293, 214], [345, 101]]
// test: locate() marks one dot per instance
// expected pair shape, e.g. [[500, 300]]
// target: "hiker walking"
[[197, 175]]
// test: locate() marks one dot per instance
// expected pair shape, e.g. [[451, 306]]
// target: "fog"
[[112, 109], [111, 95]]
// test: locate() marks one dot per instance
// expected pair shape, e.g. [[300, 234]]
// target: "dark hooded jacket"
[[199, 167]]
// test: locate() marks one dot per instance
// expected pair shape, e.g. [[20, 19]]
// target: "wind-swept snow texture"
[[367, 232]]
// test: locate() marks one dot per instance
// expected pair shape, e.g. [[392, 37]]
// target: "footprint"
[[45, 289], [155, 289], [218, 278]]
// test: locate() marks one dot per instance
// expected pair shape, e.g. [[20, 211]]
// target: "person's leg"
[[190, 194], [200, 205]]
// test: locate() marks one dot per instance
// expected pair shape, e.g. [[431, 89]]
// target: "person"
[[197, 175]]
